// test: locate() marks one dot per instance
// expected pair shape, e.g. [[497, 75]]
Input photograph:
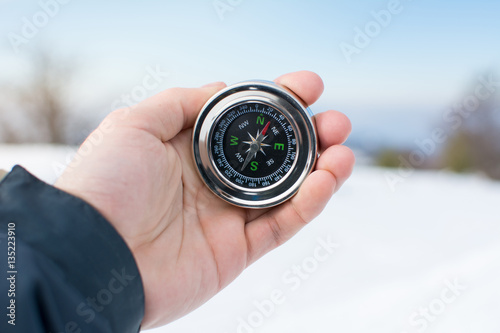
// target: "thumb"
[[169, 112]]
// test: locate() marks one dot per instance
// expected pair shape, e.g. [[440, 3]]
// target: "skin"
[[187, 243]]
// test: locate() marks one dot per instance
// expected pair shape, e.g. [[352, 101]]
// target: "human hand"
[[189, 244]]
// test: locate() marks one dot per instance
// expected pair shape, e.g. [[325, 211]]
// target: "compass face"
[[254, 143]]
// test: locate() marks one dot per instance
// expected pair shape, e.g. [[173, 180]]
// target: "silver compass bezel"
[[297, 114]]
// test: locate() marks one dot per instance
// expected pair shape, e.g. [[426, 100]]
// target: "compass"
[[254, 143]]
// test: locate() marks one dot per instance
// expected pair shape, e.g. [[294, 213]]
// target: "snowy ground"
[[423, 258]]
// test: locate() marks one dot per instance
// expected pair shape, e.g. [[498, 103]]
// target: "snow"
[[44, 161], [425, 257]]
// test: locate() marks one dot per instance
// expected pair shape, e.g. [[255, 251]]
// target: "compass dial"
[[254, 143]]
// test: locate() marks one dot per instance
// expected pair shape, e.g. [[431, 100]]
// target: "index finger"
[[307, 85]]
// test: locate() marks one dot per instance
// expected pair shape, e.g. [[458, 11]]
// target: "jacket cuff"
[[88, 253]]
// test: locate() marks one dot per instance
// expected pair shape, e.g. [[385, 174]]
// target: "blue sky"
[[416, 66]]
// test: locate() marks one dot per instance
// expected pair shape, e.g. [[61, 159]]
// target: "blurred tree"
[[458, 153], [388, 158], [37, 110], [475, 145], [473, 142]]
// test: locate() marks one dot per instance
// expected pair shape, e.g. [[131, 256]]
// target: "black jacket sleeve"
[[63, 267]]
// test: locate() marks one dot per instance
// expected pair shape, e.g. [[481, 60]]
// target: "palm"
[[201, 238], [187, 242]]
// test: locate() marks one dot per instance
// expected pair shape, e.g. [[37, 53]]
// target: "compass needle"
[[264, 131]]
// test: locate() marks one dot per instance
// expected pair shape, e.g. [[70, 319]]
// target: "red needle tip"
[[266, 128]]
